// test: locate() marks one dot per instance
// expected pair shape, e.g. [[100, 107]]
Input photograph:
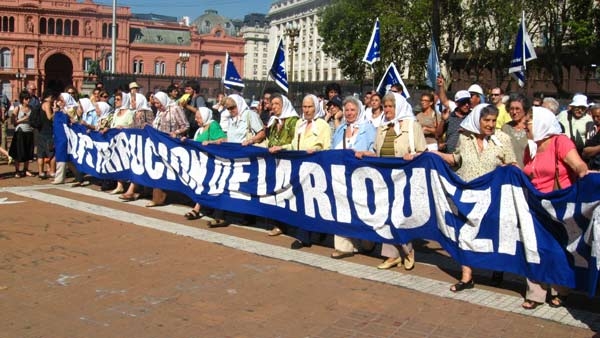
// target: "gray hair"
[[352, 100], [551, 104]]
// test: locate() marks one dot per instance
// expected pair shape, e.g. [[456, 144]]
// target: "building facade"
[[255, 32], [56, 43], [305, 60]]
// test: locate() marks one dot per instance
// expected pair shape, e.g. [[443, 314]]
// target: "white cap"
[[462, 95], [475, 88], [579, 100], [254, 104]]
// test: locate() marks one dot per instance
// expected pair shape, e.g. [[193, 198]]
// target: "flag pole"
[[523, 30]]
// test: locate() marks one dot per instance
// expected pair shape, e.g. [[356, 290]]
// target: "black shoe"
[[296, 245], [497, 278]]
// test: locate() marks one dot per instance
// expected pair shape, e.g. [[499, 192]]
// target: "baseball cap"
[[475, 88], [462, 95]]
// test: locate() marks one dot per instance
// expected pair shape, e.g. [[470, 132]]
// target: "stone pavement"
[[76, 262]]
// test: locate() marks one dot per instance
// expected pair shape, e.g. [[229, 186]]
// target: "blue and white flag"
[[277, 71], [390, 78], [433, 65], [522, 53], [498, 221], [372, 54], [231, 78]]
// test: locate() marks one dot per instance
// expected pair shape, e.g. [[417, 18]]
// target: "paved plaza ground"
[[78, 262]]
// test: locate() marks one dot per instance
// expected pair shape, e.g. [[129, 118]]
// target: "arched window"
[[5, 56], [217, 69], [59, 27], [11, 24], [163, 68], [42, 25], [75, 27], [5, 23], [108, 62], [159, 67], [138, 66], [204, 69], [104, 30], [178, 68], [67, 27], [50, 26]]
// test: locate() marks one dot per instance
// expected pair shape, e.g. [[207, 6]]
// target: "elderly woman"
[[359, 135], [480, 149], [245, 126], [400, 136], [121, 118], [281, 125], [551, 162], [311, 134], [518, 106], [169, 119], [209, 131]]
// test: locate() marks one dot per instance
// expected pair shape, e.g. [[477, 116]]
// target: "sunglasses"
[[105, 96], [494, 94]]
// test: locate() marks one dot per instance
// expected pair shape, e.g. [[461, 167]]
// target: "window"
[[217, 69], [5, 23], [204, 69], [104, 30], [178, 69], [75, 28], [59, 27], [67, 27], [43, 26], [138, 66], [29, 61], [87, 64], [108, 62], [51, 26], [8, 24], [5, 56], [159, 68]]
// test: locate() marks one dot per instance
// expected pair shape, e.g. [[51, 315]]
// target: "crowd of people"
[[474, 133]]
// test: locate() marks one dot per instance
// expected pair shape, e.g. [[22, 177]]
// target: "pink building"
[[57, 43]]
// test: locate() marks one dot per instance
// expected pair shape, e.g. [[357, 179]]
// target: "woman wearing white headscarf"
[[552, 162], [123, 116], [282, 123], [169, 119], [89, 117], [311, 134], [209, 131], [358, 134], [400, 135], [245, 126], [481, 148]]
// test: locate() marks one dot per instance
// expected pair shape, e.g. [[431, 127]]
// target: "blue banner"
[[231, 78], [497, 222], [390, 78]]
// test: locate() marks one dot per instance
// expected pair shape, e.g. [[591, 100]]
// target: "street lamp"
[[292, 31], [184, 57], [20, 78]]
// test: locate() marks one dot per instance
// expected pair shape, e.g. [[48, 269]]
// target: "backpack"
[[35, 118]]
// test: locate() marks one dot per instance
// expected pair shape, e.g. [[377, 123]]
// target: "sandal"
[[336, 254], [28, 173], [530, 304], [193, 214], [43, 176], [152, 204], [218, 223], [556, 301], [275, 232], [462, 286], [129, 198], [18, 175]]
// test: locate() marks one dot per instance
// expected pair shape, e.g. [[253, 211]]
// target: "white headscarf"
[[125, 101], [105, 109], [302, 126], [287, 110], [403, 112], [86, 105], [545, 124], [241, 105], [319, 110], [206, 115], [471, 123], [163, 98], [361, 117], [69, 100]]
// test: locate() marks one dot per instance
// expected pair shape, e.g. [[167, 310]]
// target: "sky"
[[233, 9]]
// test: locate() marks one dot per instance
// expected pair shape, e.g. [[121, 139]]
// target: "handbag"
[[250, 134]]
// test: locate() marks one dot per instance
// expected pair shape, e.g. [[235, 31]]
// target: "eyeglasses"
[[230, 107], [105, 96], [494, 94]]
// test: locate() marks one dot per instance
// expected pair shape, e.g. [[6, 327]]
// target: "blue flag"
[[522, 53], [372, 54], [433, 65], [231, 78], [277, 71], [390, 78]]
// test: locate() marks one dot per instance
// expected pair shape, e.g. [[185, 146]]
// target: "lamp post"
[[20, 79], [184, 57], [292, 31]]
